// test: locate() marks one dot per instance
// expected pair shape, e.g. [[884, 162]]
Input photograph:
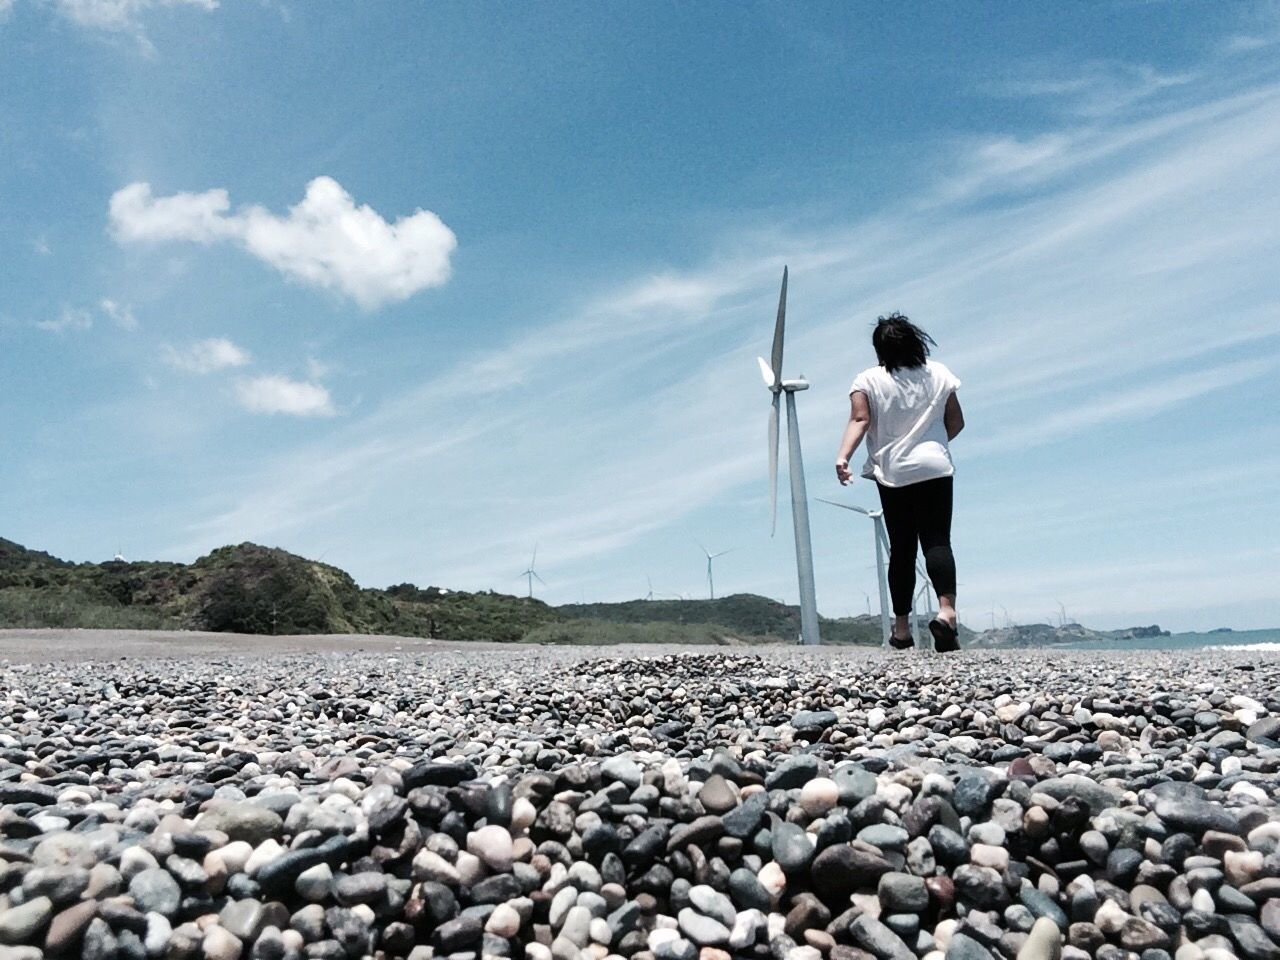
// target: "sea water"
[[1235, 640]]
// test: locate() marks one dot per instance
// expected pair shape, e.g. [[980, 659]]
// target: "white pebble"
[[819, 795], [772, 879]]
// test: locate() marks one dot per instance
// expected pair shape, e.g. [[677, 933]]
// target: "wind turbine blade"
[[766, 373], [773, 464], [534, 562], [779, 331], [538, 578], [847, 506]]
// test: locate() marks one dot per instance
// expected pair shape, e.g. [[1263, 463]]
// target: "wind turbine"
[[649, 595], [531, 573], [921, 598], [711, 584], [882, 547], [772, 373]]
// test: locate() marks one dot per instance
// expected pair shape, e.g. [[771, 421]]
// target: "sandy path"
[[58, 645], [43, 646]]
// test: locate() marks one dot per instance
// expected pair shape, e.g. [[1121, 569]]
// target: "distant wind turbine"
[[882, 547], [882, 572], [531, 573], [772, 373], [649, 595], [711, 583]]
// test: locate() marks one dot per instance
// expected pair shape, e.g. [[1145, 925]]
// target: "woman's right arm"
[[953, 417], [854, 431]]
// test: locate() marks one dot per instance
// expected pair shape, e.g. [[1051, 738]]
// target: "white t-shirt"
[[907, 440]]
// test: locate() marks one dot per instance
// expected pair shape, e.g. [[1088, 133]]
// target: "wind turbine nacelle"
[[794, 386]]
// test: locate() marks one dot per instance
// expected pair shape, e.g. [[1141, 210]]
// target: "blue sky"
[[410, 287]]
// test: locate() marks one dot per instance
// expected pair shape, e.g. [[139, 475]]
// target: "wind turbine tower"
[[711, 583], [531, 573], [882, 547], [772, 373]]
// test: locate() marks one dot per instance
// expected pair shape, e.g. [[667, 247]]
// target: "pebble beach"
[[260, 799]]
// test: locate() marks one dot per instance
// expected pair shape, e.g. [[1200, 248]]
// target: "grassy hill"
[[254, 589], [747, 615]]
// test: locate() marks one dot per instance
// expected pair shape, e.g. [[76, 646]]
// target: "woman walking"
[[907, 409]]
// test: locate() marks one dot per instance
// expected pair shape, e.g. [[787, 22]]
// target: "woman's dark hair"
[[899, 342]]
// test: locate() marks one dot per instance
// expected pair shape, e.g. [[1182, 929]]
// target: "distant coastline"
[[1259, 640]]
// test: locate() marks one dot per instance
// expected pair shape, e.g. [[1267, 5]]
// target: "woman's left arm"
[[854, 431]]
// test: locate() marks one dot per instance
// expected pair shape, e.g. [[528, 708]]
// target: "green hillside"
[[263, 590], [743, 613]]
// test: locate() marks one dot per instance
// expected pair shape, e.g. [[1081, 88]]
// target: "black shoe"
[[945, 638], [901, 643]]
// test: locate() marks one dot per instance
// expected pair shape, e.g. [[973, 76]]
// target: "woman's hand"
[[842, 472]]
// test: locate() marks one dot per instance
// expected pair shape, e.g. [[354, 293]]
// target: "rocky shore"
[[587, 805]]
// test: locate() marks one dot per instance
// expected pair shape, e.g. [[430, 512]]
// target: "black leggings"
[[918, 513]]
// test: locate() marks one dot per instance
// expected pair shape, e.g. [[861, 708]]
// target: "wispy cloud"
[[1248, 42], [324, 241], [1148, 401], [1096, 89], [1005, 165], [273, 393], [207, 356], [69, 320], [120, 314], [125, 17], [1259, 29]]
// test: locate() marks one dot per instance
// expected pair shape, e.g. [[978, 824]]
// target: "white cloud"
[[120, 15], [200, 217], [121, 315], [277, 394], [325, 241], [1093, 89], [1247, 43], [71, 318], [1145, 402], [207, 356]]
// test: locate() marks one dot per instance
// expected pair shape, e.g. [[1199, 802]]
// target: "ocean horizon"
[[1268, 639]]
